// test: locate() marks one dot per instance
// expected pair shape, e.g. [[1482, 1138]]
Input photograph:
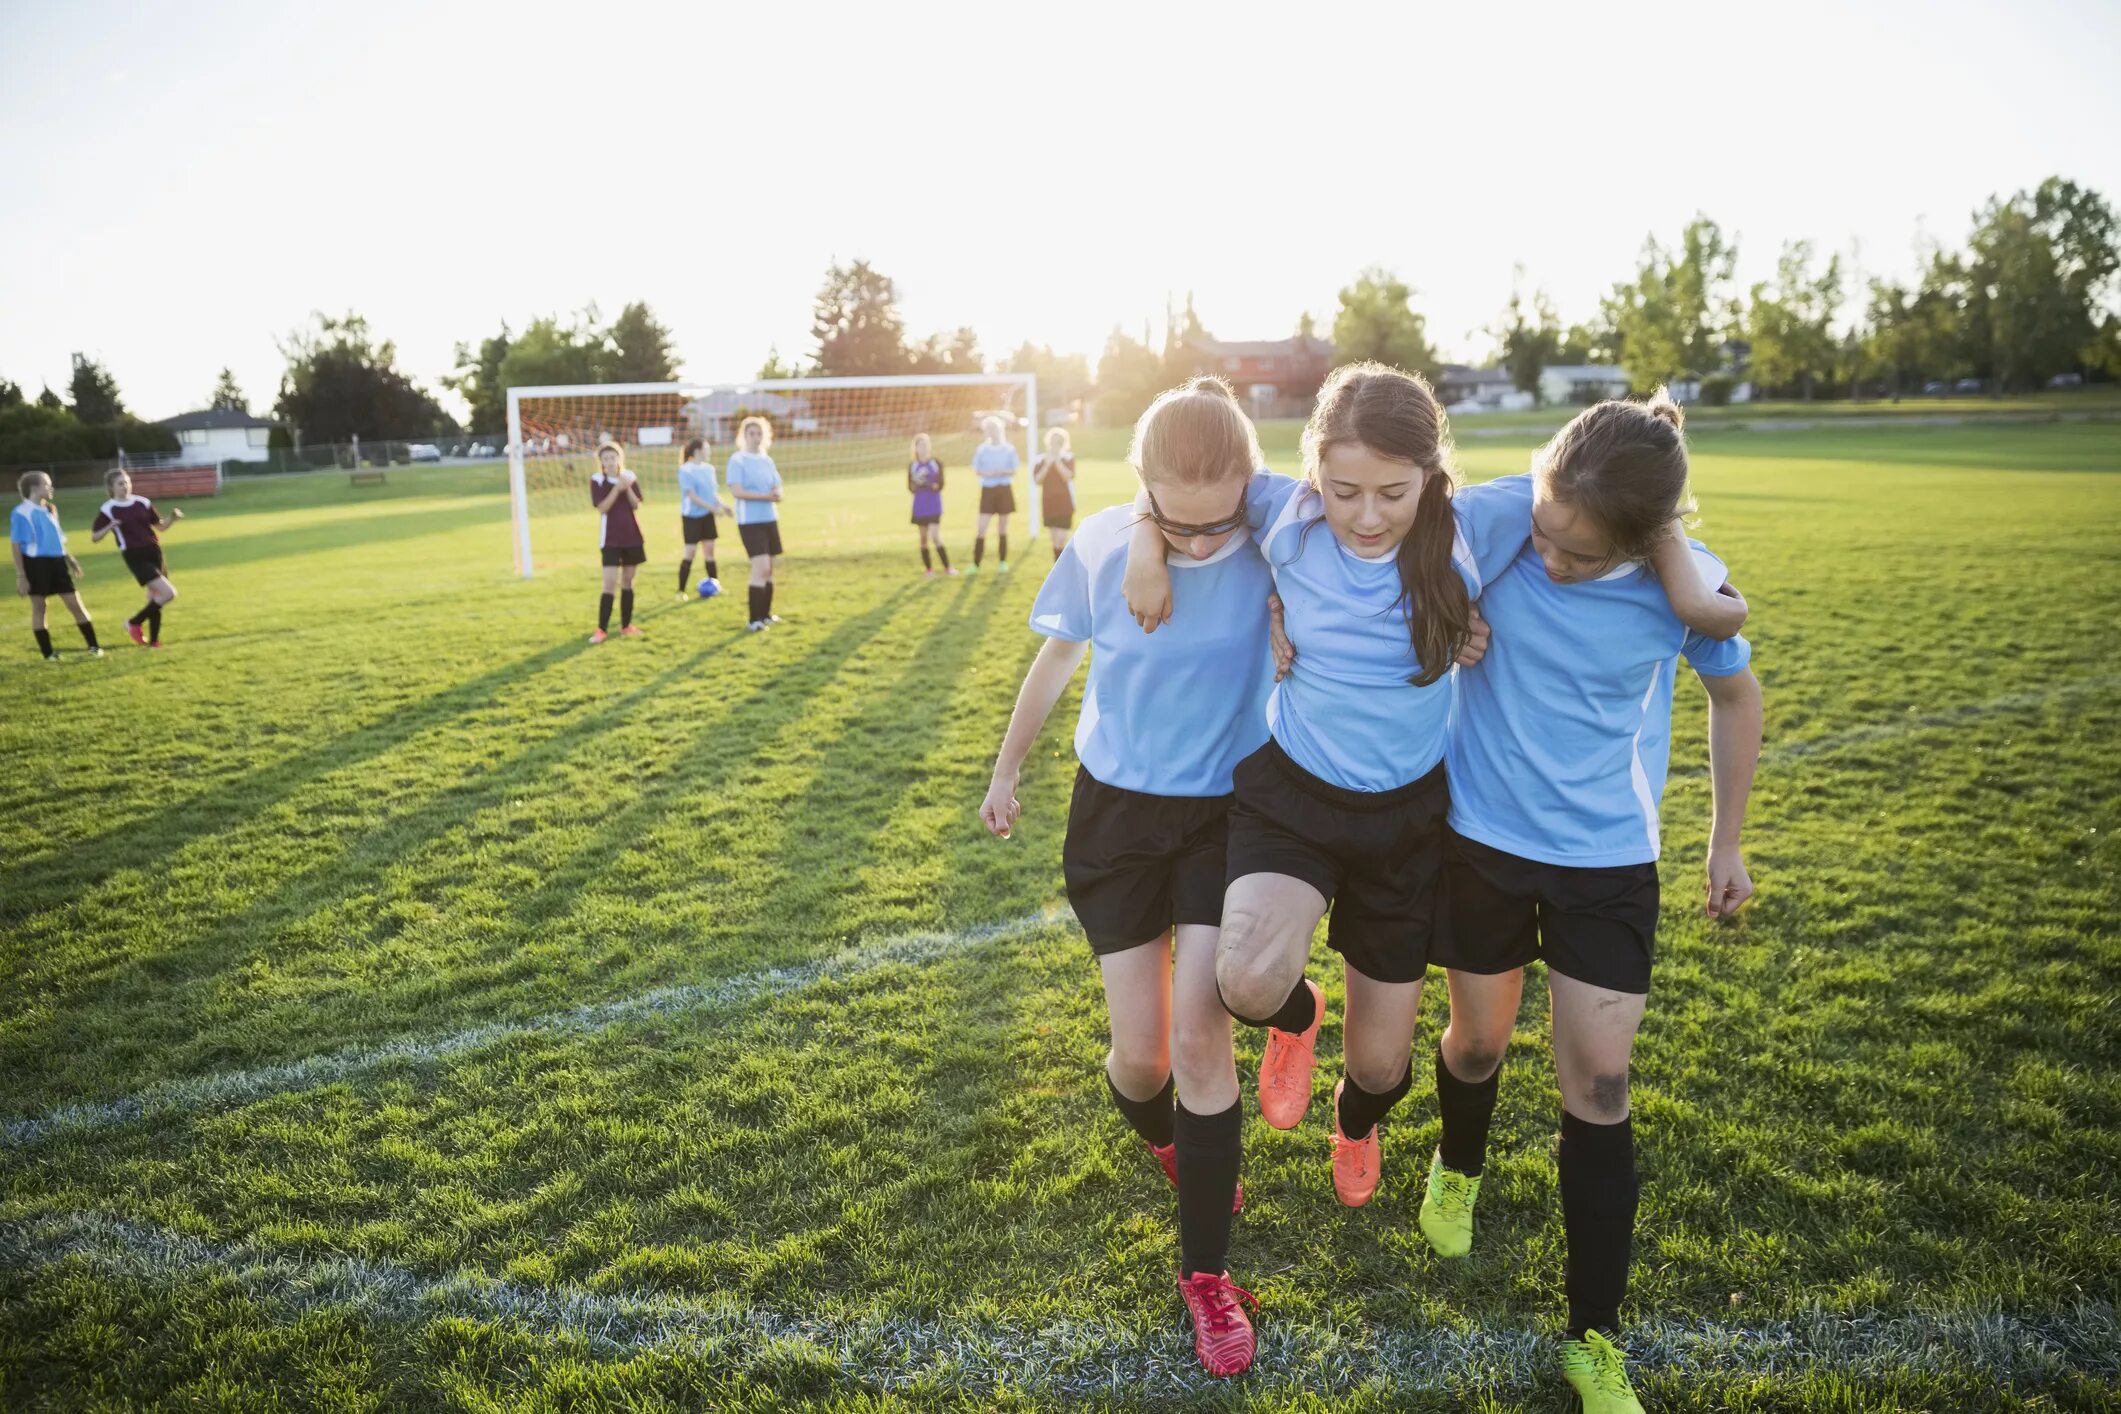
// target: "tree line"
[[2029, 297]]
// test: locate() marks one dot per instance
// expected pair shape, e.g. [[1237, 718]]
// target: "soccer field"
[[405, 1005]]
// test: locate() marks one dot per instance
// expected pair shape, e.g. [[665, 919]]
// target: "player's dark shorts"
[[1375, 855], [1064, 521], [47, 575], [698, 528], [145, 563], [761, 537], [997, 500], [1137, 864], [625, 555], [1499, 911], [928, 520]]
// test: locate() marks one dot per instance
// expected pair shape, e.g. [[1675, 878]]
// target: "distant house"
[[1470, 390], [1273, 377], [1580, 384], [222, 434], [717, 415]]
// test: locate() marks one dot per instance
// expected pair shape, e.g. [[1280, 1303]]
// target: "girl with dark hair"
[[699, 502]]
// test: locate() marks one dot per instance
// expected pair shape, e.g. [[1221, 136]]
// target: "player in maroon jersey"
[[615, 491], [136, 523]]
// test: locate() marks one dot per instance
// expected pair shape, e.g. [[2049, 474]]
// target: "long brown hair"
[[1195, 435], [1394, 414], [1624, 465]]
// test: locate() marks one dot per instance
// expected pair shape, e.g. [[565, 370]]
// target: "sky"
[[182, 184]]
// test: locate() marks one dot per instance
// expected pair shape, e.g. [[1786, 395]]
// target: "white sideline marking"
[[1090, 1356], [239, 1086]]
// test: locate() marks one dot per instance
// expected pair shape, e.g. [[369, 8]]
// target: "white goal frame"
[[518, 482]]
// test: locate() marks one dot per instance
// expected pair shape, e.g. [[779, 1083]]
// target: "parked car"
[[1967, 385], [424, 452], [1935, 388], [480, 449], [2066, 380]]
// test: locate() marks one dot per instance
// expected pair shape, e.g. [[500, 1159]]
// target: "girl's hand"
[[999, 811], [1278, 635], [1729, 885], [1476, 645], [176, 513], [1148, 581], [22, 585]]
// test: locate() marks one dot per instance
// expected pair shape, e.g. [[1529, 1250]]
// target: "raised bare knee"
[[1137, 1070], [1472, 1061], [1607, 1096], [1246, 972]]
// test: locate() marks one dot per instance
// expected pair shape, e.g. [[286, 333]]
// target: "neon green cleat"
[[1594, 1366], [1447, 1209], [971, 569]]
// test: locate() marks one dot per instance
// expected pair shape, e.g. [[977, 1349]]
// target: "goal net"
[[822, 428]]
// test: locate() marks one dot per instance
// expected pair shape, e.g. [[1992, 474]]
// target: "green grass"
[[378, 790]]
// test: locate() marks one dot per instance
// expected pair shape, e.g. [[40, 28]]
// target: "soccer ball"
[[709, 588]]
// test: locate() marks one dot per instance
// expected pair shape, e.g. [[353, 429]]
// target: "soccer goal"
[[822, 428]]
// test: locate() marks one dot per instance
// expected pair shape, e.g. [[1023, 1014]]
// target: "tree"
[[1129, 376], [1673, 318], [551, 354], [1063, 379], [226, 396], [49, 399], [774, 368], [639, 349], [1306, 326], [10, 393], [95, 392], [1528, 342], [856, 323], [478, 381], [339, 384], [960, 355], [1377, 321], [2040, 267], [1788, 322]]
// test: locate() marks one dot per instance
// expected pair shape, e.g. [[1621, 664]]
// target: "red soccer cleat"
[[1285, 1069], [137, 634], [1168, 1157], [599, 636], [1357, 1163], [631, 631], [1222, 1333]]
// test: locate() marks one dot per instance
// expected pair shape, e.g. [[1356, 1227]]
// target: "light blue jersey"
[[697, 479], [36, 530], [996, 464], [1561, 736], [1172, 713], [1348, 712], [754, 472]]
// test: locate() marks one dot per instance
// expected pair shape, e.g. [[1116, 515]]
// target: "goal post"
[[822, 428]]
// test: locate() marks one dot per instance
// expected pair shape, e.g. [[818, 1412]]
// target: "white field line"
[[241, 1086], [1094, 1356]]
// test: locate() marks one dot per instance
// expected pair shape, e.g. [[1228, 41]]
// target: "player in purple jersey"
[[615, 491], [924, 478], [134, 521]]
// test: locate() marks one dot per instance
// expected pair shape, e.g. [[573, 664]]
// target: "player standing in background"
[[42, 566], [995, 462], [134, 521], [1054, 475], [615, 491], [699, 502], [924, 478], [755, 482]]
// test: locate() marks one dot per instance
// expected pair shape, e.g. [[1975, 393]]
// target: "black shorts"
[[761, 537], [1137, 864], [1499, 911], [47, 575], [625, 555], [698, 528], [1375, 855], [997, 500], [927, 520], [145, 563]]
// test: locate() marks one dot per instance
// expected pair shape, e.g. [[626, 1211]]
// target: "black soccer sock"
[[942, 554], [710, 572], [1360, 1109], [88, 632], [1003, 554], [1151, 1118], [979, 550], [1209, 1147], [603, 612], [758, 602], [1467, 1107], [154, 623], [769, 598], [1598, 1197], [625, 608], [44, 641], [927, 560], [145, 610], [1295, 1015], [684, 573]]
